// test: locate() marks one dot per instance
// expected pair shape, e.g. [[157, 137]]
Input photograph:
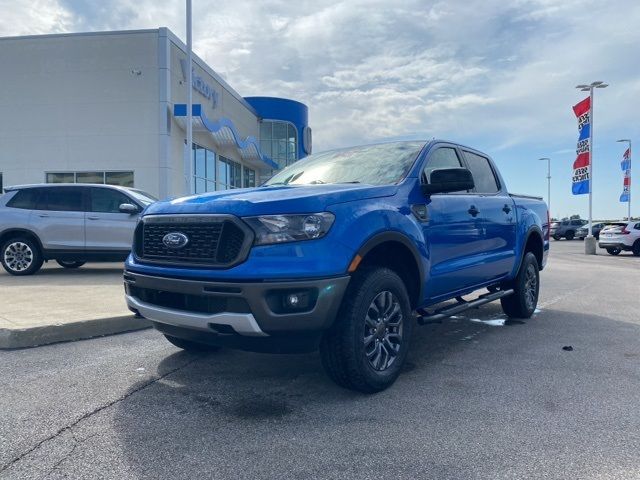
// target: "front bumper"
[[241, 309]]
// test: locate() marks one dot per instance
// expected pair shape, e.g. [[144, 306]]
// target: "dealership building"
[[110, 107]]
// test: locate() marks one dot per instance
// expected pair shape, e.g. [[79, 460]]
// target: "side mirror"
[[444, 180], [129, 208]]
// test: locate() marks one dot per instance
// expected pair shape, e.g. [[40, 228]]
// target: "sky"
[[497, 75]]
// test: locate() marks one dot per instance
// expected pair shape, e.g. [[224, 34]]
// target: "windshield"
[[143, 197], [381, 164]]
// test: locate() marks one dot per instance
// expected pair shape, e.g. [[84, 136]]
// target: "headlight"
[[289, 228]]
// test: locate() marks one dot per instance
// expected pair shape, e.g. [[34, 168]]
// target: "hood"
[[279, 199]]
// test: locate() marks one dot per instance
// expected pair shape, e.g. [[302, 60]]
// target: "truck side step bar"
[[437, 315]]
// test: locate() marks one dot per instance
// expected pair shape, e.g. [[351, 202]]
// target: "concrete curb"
[[43, 335]]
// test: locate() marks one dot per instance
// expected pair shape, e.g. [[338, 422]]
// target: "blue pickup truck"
[[344, 251]]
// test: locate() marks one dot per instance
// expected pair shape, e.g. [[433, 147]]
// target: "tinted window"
[[104, 200], [442, 158], [483, 175], [64, 199], [27, 198], [576, 222]]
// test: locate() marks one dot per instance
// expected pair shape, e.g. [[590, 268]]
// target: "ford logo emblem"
[[175, 240]]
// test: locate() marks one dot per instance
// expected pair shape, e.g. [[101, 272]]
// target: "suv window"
[[445, 157], [27, 199], [483, 176], [105, 200], [61, 199], [577, 222]]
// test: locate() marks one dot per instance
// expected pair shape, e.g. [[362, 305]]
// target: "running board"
[[461, 306]]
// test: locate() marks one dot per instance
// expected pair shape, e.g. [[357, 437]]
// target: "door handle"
[[473, 211], [93, 218], [506, 208], [43, 215]]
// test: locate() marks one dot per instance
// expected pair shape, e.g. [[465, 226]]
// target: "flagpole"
[[189, 160], [629, 199], [626, 140], [590, 241]]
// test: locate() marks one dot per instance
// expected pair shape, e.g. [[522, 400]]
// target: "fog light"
[[293, 300]]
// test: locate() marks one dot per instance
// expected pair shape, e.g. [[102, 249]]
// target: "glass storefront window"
[[214, 172], [279, 141], [123, 179]]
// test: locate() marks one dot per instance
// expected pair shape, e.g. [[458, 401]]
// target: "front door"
[[107, 228], [453, 231]]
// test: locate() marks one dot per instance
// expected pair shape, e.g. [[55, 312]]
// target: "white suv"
[[619, 236]]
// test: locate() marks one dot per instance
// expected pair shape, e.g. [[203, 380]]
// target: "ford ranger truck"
[[344, 251]]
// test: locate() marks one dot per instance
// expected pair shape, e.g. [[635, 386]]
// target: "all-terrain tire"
[[21, 256], [526, 287], [191, 346], [373, 327]]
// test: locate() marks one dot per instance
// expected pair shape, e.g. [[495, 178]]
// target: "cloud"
[[481, 70]]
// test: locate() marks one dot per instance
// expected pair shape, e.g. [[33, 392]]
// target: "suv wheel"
[[526, 288], [557, 237], [636, 248], [70, 263], [21, 256], [191, 346], [366, 346], [613, 251], [569, 235]]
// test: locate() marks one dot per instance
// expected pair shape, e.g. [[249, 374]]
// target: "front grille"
[[189, 303], [212, 242]]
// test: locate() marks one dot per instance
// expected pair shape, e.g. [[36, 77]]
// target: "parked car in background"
[[619, 236], [336, 252], [566, 228], [582, 232], [69, 223]]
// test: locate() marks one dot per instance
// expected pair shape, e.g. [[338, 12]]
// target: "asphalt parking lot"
[[475, 400]]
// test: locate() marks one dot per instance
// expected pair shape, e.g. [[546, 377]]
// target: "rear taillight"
[[624, 231]]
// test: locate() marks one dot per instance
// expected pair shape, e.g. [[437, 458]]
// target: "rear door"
[[453, 232], [59, 218], [108, 229], [498, 213]]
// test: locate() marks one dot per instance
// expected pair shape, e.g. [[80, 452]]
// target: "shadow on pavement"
[[466, 387]]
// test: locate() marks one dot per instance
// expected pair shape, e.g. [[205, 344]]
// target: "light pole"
[[626, 140], [548, 183], [590, 241]]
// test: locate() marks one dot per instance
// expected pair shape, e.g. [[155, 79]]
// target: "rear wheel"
[[613, 251], [557, 237], [636, 248], [69, 263], [569, 235], [21, 256], [526, 288], [191, 346], [366, 346]]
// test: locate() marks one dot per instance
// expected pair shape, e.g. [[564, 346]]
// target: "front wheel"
[[569, 235], [21, 256], [191, 346], [366, 346], [69, 263], [613, 251], [557, 237], [526, 287], [636, 248]]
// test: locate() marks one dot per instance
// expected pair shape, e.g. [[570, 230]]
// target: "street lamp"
[[590, 241], [548, 160], [626, 140]]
